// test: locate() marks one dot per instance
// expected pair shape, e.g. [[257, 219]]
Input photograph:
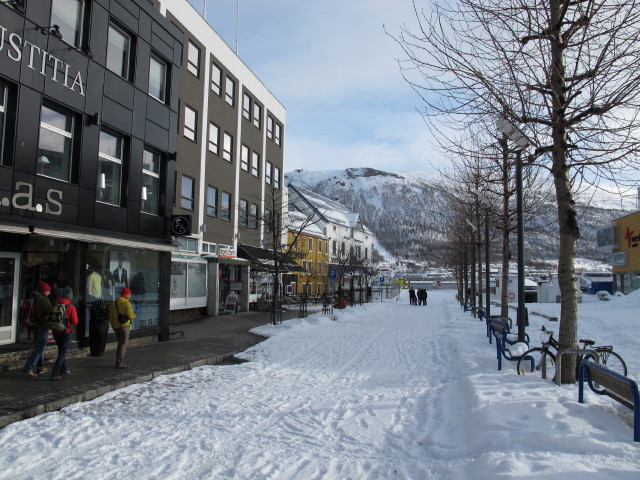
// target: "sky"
[[379, 391], [333, 67]]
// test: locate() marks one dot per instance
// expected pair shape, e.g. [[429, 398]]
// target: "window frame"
[[255, 164], [113, 160], [225, 206], [126, 59], [268, 173], [216, 87], [212, 207], [246, 106], [243, 212], [163, 89], [230, 91], [190, 131], [277, 135], [257, 115], [227, 154], [276, 177], [244, 157], [270, 123], [253, 215], [214, 146], [65, 27], [67, 135], [310, 244], [193, 67], [187, 202], [153, 175]]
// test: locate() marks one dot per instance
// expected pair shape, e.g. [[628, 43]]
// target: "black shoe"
[[123, 366]]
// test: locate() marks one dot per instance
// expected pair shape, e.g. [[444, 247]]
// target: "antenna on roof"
[[237, 23]]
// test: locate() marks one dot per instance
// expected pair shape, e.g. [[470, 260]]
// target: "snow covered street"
[[381, 391]]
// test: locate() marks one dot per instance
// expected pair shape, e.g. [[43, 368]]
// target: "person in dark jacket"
[[42, 307], [63, 338], [412, 296]]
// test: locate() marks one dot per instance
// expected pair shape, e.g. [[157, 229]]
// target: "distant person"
[[35, 363], [120, 317], [63, 338], [412, 296]]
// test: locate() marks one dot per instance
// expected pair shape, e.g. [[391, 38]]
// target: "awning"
[[263, 258], [226, 260]]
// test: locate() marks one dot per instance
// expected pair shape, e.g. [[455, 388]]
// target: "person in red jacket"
[[63, 338]]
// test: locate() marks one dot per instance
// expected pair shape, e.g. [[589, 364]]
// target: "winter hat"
[[67, 293], [44, 287], [125, 291]]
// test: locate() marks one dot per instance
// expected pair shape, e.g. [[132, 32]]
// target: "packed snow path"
[[381, 391]]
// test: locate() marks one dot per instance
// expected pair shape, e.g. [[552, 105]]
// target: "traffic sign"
[[333, 273]]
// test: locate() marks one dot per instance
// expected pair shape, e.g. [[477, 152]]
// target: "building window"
[[278, 133], [319, 246], [193, 59], [212, 201], [119, 52], [255, 164], [319, 268], [151, 168], [216, 79], [268, 173], [257, 115], [214, 138], [311, 244], [244, 158], [276, 177], [334, 251], [110, 159], [243, 212], [254, 216], [186, 192], [55, 143], [267, 220], [158, 71], [227, 147], [246, 106], [230, 92], [225, 207], [366, 252], [69, 16], [270, 127], [190, 123], [3, 108]]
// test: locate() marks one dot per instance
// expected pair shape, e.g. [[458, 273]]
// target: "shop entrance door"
[[8, 297]]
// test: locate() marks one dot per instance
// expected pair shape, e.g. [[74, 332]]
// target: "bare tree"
[[564, 73]]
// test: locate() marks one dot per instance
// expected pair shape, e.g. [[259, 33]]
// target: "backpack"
[[58, 321], [27, 313]]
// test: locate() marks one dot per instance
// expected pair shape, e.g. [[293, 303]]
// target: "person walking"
[[120, 317], [35, 363], [63, 338]]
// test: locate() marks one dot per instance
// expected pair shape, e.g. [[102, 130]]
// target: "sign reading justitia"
[[39, 60]]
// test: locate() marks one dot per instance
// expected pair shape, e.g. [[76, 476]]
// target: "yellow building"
[[622, 238], [310, 250]]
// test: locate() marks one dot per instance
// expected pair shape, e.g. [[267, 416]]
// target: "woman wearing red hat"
[[120, 317], [42, 307]]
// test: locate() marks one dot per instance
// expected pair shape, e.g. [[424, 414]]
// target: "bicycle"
[[546, 355]]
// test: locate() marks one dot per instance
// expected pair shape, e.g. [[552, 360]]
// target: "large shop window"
[[188, 281], [112, 268], [110, 167], [55, 143]]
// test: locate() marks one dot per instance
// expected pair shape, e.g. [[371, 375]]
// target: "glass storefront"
[[96, 273], [188, 281]]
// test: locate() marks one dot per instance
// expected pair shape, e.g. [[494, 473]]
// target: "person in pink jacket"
[[63, 337]]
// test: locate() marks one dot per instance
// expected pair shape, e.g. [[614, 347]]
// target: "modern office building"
[[88, 113], [229, 167]]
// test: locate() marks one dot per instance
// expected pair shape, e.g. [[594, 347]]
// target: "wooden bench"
[[509, 351], [603, 381]]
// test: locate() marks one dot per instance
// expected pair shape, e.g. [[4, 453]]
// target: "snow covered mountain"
[[407, 215]]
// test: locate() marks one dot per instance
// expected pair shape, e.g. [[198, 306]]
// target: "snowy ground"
[[382, 391]]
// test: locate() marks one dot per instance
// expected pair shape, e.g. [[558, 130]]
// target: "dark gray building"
[[89, 107]]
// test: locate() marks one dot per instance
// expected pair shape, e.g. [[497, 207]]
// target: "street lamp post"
[[486, 256], [516, 136]]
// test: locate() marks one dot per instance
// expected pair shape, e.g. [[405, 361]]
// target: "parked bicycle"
[[546, 355]]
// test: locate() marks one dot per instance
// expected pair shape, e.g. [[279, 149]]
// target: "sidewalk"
[[206, 341]]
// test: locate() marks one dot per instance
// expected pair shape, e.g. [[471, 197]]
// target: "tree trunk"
[[567, 220]]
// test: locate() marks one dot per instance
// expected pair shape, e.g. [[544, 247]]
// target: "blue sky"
[[333, 67]]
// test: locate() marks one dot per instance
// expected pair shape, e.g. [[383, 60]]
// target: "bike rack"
[[578, 351]]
